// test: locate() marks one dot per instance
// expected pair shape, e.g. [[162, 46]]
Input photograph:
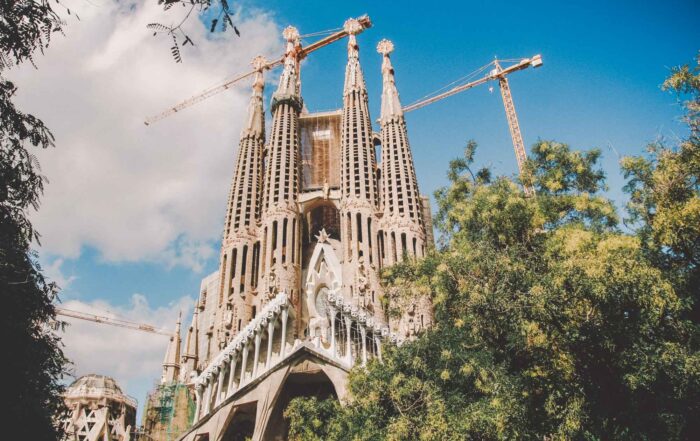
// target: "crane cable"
[[457, 81]]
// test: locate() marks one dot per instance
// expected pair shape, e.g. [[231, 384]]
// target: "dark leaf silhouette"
[[213, 24], [175, 50], [235, 29], [158, 27]]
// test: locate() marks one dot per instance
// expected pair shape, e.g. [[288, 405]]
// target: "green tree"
[[33, 361], [550, 323], [664, 190]]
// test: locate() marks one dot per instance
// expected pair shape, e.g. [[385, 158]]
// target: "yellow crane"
[[303, 53], [498, 73], [112, 321]]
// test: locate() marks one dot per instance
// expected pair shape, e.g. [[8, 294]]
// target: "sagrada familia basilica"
[[313, 216]]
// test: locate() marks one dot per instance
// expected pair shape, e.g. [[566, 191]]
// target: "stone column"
[[232, 375], [283, 346], [363, 334], [332, 314], [258, 337], [244, 361], [207, 397], [270, 334], [198, 404], [348, 325], [219, 386]]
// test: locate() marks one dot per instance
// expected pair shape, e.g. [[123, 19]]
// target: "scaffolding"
[[169, 412]]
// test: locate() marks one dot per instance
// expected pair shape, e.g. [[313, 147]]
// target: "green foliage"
[[549, 324], [34, 363], [664, 190]]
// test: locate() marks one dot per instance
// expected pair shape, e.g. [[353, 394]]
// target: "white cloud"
[[134, 192], [53, 271], [133, 358]]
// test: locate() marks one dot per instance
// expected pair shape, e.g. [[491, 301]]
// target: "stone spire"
[[190, 357], [359, 196], [281, 227], [401, 201], [391, 106], [240, 247], [354, 80], [171, 363]]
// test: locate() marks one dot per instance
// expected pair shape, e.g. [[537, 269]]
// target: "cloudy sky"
[[132, 215]]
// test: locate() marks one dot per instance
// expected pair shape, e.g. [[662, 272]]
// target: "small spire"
[[391, 106], [255, 125], [289, 82], [171, 364], [190, 355], [354, 79]]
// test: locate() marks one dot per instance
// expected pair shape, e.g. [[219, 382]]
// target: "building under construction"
[[169, 412], [319, 203]]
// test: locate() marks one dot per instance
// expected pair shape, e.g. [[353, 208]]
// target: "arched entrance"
[[242, 424], [308, 383], [322, 215]]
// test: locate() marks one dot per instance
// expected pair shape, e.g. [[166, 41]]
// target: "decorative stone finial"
[[258, 63], [290, 34], [322, 236], [385, 47], [352, 26]]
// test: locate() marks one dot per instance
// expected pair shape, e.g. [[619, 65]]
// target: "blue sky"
[[599, 87]]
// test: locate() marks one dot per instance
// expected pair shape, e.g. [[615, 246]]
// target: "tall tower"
[[404, 229], [359, 196], [241, 248], [188, 363], [280, 264], [171, 363]]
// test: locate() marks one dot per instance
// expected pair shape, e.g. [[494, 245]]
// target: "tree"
[[550, 323], [33, 361], [664, 190]]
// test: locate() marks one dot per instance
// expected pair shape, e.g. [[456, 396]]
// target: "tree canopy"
[[34, 363], [550, 321]]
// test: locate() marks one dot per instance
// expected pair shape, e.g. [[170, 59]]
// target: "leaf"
[[235, 29], [158, 27], [175, 50], [176, 54], [224, 3], [213, 24]]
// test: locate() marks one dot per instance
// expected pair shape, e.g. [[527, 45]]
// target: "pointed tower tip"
[[391, 106], [289, 88]]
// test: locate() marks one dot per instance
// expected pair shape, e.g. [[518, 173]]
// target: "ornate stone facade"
[[312, 218], [99, 410]]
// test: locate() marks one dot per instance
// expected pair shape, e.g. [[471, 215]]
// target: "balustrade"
[[354, 336]]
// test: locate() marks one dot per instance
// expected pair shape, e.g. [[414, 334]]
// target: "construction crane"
[[303, 53], [112, 321], [500, 74]]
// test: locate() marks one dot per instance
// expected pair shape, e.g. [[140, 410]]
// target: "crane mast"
[[514, 126], [499, 74], [111, 321]]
